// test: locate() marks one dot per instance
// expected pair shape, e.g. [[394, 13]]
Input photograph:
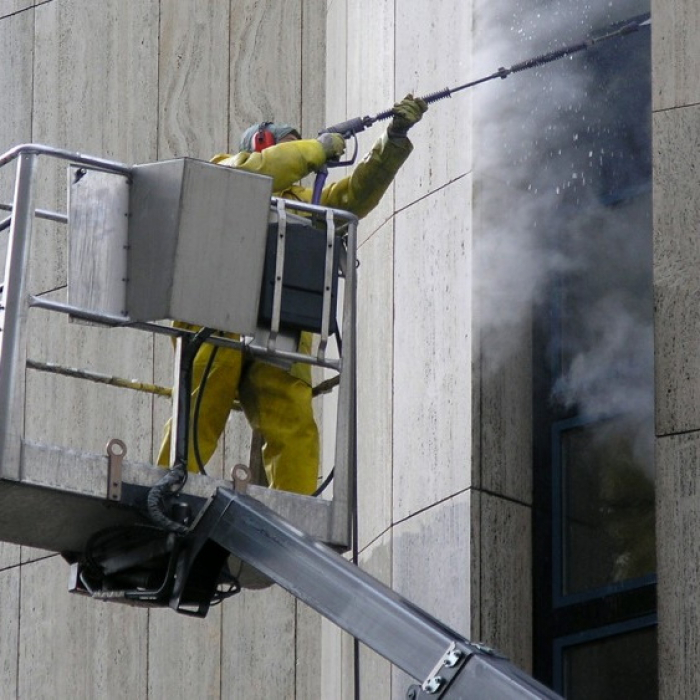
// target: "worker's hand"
[[406, 113], [333, 145]]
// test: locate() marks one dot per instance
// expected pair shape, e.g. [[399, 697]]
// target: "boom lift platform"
[[207, 245]]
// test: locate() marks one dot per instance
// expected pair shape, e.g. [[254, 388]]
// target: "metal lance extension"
[[354, 126]]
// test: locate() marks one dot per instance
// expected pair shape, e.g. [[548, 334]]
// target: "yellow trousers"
[[275, 403]]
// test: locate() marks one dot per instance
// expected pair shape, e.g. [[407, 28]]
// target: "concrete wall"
[[444, 514], [138, 82], [415, 316], [676, 123], [444, 472]]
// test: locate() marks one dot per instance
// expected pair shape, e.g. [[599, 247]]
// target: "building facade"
[[526, 431]]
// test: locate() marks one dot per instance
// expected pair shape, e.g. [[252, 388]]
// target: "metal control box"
[[180, 239]]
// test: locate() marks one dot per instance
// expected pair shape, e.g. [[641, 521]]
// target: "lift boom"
[[232, 523], [448, 665]]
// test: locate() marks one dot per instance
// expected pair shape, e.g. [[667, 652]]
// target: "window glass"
[[607, 507], [611, 668]]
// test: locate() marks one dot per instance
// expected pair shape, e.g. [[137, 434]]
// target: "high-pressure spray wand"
[[351, 127], [358, 124]]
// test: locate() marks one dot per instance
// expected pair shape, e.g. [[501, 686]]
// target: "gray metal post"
[[15, 300], [176, 422], [345, 447]]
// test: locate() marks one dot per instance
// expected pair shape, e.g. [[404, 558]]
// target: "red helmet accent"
[[263, 138]]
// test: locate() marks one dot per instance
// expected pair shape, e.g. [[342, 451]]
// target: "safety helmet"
[[264, 134]]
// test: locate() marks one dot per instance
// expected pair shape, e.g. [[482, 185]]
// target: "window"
[[594, 549], [603, 521]]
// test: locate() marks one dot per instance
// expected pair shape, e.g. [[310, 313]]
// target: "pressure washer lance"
[[354, 126]]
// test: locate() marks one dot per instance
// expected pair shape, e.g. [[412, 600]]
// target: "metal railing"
[[327, 520]]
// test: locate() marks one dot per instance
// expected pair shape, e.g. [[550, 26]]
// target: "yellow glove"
[[406, 113], [333, 145]]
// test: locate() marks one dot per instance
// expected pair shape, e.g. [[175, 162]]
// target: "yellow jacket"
[[359, 193]]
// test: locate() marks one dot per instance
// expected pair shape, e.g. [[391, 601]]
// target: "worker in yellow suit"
[[277, 402]]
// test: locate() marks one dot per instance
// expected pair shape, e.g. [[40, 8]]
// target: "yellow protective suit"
[[277, 403]]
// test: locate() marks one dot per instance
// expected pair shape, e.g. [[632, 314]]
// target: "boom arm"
[[446, 664]]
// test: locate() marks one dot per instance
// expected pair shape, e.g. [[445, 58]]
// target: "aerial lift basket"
[[180, 239]]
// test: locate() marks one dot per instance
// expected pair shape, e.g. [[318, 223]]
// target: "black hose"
[[175, 478], [324, 485], [169, 485], [197, 407]]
